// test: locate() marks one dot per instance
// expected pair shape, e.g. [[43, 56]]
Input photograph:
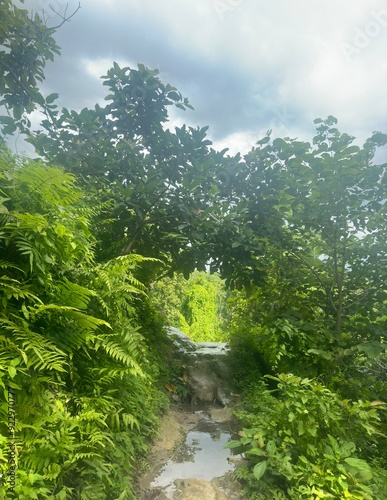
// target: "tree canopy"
[[26, 44]]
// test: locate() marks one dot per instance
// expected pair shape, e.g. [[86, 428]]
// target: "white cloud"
[[238, 142], [259, 65]]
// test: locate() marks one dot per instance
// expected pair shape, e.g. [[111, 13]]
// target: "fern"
[[73, 294], [46, 185], [8, 265], [70, 342], [85, 321], [38, 352], [119, 353], [13, 288]]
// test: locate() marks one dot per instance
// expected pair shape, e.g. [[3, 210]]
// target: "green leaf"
[[256, 451], [84, 320], [14, 386], [35, 477], [232, 444], [323, 354], [7, 120], [51, 98], [360, 468], [62, 495], [265, 140], [301, 428], [347, 448], [259, 470], [372, 349], [334, 444], [357, 463], [174, 95]]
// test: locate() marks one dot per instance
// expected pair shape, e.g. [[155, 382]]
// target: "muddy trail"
[[189, 461]]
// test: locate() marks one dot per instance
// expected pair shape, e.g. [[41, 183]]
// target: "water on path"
[[202, 455]]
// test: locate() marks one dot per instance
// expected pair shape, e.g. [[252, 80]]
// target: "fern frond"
[[104, 278], [119, 353], [134, 259], [130, 421], [8, 265], [48, 184], [74, 295], [41, 353], [84, 320], [81, 456], [108, 375], [13, 288]]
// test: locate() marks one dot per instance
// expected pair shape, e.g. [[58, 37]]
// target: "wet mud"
[[189, 460]]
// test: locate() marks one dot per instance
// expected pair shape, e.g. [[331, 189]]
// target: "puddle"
[[201, 456]]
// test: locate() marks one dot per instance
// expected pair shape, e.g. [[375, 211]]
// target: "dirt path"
[[188, 460]]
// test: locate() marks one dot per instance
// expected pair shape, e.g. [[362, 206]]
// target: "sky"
[[246, 66]]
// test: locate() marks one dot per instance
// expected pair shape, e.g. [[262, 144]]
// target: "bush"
[[307, 443], [74, 365]]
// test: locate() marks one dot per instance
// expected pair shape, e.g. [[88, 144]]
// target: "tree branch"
[[63, 17]]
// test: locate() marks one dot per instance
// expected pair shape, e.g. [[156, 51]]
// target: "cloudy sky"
[[245, 65]]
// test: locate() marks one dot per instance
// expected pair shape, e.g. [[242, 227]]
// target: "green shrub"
[[307, 443], [71, 348]]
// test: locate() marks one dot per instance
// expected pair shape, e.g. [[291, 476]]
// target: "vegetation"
[[318, 322], [304, 441], [158, 183], [196, 306], [71, 344], [90, 255], [26, 43]]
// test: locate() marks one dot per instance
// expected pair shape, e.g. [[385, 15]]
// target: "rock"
[[209, 380], [181, 341], [230, 486], [198, 489], [221, 414], [207, 365], [155, 495]]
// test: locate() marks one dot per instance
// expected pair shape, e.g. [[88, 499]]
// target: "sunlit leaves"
[[259, 469], [70, 343], [297, 442]]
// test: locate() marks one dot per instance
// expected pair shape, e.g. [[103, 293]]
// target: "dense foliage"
[[296, 229], [158, 182], [26, 44], [303, 441], [71, 345], [323, 298], [196, 306], [321, 312]]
